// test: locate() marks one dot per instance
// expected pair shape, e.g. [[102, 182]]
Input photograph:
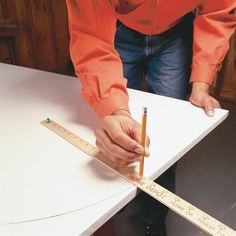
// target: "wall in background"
[[42, 39], [228, 73]]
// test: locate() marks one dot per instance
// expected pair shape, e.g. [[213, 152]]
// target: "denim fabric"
[[164, 61]]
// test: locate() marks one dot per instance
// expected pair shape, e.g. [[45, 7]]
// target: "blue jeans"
[[164, 61]]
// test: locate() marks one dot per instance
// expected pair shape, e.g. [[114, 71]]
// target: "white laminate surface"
[[47, 186]]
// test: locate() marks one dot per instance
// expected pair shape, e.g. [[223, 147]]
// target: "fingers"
[[125, 141], [113, 151], [209, 108], [209, 105], [119, 139], [136, 135], [121, 130], [205, 101]]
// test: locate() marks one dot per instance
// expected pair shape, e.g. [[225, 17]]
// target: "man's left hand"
[[200, 97]]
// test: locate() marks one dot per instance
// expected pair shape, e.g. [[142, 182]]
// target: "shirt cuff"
[[111, 104], [203, 73]]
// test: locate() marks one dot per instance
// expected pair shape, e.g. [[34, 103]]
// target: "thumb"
[[136, 135], [209, 108]]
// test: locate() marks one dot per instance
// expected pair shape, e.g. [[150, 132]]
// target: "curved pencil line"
[[68, 212]]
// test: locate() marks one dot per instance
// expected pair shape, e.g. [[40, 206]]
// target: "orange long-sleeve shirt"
[[92, 25]]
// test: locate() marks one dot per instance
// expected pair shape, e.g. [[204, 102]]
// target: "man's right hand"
[[119, 138]]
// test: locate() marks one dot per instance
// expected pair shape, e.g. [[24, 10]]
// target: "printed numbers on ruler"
[[169, 199]]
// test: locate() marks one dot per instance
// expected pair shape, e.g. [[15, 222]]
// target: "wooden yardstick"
[[172, 201]]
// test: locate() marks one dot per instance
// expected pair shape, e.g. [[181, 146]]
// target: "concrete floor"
[[206, 177]]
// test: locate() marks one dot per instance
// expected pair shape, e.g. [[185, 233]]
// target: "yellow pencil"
[[143, 139]]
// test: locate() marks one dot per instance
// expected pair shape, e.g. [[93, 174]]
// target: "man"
[[154, 33]]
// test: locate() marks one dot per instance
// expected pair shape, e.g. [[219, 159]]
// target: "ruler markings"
[[183, 208]]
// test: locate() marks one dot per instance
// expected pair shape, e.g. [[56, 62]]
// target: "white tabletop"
[[47, 186]]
